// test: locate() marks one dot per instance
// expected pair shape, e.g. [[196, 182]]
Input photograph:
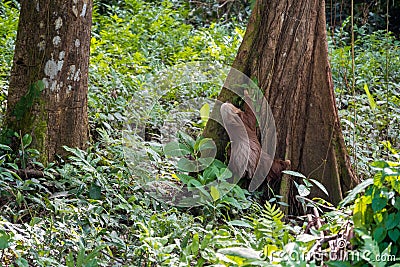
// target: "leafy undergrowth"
[[92, 210]]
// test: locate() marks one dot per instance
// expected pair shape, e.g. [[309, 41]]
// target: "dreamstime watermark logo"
[[158, 137], [340, 253]]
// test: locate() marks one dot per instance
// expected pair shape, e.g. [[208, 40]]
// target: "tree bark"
[[47, 96], [285, 50]]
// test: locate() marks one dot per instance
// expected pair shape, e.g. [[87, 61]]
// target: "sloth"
[[246, 152]]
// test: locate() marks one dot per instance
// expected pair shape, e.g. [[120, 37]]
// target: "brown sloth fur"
[[246, 145]]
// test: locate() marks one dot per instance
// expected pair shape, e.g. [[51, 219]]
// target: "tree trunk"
[[285, 50], [47, 97]]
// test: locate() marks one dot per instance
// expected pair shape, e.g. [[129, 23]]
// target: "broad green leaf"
[[397, 204], [81, 256], [370, 97], [358, 189], [224, 174], [379, 234], [306, 238], [394, 234], [184, 178], [174, 149], [4, 147], [360, 208], [21, 262], [240, 223], [205, 112], [338, 264], [296, 174], [205, 162], [5, 239], [95, 191], [69, 261], [26, 140], [206, 241], [207, 143], [209, 174], [378, 179], [378, 203], [244, 253], [303, 190], [232, 202], [187, 139], [214, 193], [392, 220], [195, 244], [320, 186], [187, 165], [195, 183]]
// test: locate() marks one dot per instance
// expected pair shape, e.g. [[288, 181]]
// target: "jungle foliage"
[[89, 210]]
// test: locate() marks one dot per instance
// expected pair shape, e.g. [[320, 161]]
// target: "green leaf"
[[378, 203], [206, 241], [397, 203], [40, 85], [69, 261], [392, 220], [95, 191], [320, 186], [379, 234], [187, 139], [239, 223], [296, 174], [379, 164], [210, 174], [370, 97], [195, 183], [26, 140], [195, 244], [338, 264], [353, 193], [204, 162], [184, 178], [81, 256], [244, 253], [214, 193], [21, 262], [205, 112], [4, 147], [207, 143], [394, 234], [303, 190], [90, 259], [187, 165], [174, 149], [390, 172], [305, 238], [5, 239], [224, 174], [360, 208]]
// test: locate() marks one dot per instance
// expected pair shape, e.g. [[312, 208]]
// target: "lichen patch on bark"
[[56, 41], [58, 23], [50, 69], [83, 13]]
